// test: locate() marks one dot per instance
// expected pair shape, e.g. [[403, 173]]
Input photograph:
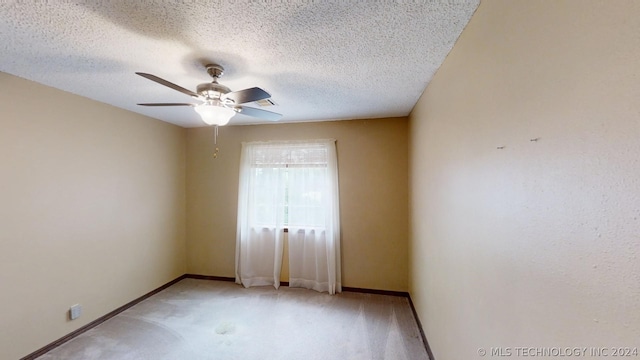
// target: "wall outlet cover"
[[75, 311]]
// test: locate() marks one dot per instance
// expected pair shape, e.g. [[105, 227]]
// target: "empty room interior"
[[485, 157]]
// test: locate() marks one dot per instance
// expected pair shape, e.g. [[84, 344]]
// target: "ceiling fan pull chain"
[[215, 141]]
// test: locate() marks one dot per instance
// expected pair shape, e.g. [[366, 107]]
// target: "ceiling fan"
[[219, 103]]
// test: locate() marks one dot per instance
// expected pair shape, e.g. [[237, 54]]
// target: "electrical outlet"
[[75, 311]]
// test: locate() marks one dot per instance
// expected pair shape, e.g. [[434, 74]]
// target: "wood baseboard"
[[124, 307], [424, 337], [208, 277], [376, 291]]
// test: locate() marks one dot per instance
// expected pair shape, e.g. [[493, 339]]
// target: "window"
[[289, 185]]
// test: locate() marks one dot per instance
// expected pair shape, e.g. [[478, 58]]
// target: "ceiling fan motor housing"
[[212, 90]]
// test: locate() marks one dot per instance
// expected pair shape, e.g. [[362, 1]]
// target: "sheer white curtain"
[[294, 185], [314, 226], [260, 230]]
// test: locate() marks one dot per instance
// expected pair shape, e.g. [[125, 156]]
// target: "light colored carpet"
[[202, 319]]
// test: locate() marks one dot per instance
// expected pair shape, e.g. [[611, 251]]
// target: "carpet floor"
[[203, 319]]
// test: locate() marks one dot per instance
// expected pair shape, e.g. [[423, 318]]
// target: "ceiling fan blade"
[[168, 104], [247, 95], [262, 114], [169, 84]]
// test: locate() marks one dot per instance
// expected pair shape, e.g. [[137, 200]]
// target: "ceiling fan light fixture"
[[214, 115]]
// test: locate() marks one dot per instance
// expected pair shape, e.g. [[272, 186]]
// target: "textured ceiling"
[[319, 60]]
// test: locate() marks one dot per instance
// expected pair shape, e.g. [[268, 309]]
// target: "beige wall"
[[92, 210], [373, 168], [536, 244]]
